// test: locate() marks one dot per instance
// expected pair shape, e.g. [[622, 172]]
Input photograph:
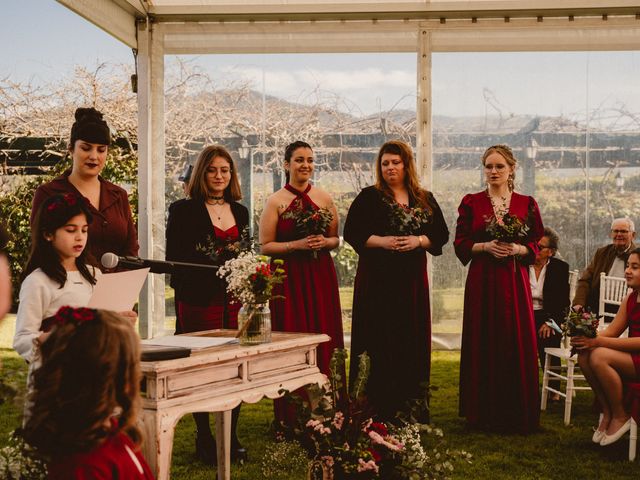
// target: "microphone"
[[111, 260]]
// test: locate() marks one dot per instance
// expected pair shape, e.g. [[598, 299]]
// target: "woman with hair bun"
[[86, 398], [498, 231], [311, 302], [113, 229]]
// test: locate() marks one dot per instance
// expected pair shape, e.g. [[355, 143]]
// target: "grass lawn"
[[556, 452]]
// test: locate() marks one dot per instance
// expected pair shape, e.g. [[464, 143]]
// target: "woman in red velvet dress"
[[498, 367], [391, 315], [206, 228], [607, 361], [312, 302], [86, 399]]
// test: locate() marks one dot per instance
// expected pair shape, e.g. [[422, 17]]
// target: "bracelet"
[[288, 245]]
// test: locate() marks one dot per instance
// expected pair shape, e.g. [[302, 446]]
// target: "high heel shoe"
[[206, 449], [614, 437], [238, 452]]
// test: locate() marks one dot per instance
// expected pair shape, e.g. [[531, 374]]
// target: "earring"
[[510, 182]]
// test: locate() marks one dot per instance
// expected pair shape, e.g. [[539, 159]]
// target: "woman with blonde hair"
[[497, 232], [391, 225]]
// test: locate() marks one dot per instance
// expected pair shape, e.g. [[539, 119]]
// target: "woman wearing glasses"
[[549, 280], [498, 232], [208, 228]]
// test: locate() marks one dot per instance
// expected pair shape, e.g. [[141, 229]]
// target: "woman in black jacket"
[[209, 227], [549, 279]]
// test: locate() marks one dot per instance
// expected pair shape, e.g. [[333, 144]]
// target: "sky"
[[42, 41]]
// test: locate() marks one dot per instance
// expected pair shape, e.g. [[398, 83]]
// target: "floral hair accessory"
[[66, 315], [66, 200]]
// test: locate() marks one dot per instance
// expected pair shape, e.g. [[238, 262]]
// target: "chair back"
[[573, 284], [612, 292]]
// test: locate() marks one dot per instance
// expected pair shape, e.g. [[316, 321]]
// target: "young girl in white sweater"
[[57, 273]]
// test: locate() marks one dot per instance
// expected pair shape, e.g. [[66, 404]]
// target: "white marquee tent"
[[155, 28]]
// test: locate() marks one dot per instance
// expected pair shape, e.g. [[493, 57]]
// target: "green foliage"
[[19, 461]]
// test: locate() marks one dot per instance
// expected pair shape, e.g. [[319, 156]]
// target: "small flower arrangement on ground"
[[220, 250], [309, 220], [19, 461], [345, 442], [508, 228], [406, 220], [580, 322]]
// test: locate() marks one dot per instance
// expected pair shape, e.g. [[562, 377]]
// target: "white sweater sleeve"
[[35, 296]]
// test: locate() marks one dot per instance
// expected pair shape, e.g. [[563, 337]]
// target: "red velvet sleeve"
[[536, 231], [464, 241]]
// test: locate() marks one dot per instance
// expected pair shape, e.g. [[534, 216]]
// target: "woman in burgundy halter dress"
[[499, 360], [607, 360], [312, 302], [206, 228]]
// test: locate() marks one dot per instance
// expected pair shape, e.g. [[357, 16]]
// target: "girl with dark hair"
[[391, 313], [58, 271], [311, 301], [609, 360], [209, 227], [86, 398], [113, 229], [498, 365]]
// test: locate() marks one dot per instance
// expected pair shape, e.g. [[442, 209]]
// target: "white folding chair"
[[567, 372], [574, 275], [612, 292]]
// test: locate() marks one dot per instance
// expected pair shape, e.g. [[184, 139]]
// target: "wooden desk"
[[217, 380]]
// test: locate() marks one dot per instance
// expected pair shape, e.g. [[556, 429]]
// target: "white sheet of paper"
[[118, 291], [194, 343]]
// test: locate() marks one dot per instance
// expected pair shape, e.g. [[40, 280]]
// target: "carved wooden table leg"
[[223, 436]]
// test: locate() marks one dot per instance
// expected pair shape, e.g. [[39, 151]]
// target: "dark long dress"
[[498, 367], [391, 316], [312, 301]]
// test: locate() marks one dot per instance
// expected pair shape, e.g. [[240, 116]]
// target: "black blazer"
[[188, 225], [555, 291]]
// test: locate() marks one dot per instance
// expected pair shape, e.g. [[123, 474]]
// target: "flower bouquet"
[[250, 279], [346, 443], [580, 322], [220, 250], [308, 220], [508, 228], [406, 220]]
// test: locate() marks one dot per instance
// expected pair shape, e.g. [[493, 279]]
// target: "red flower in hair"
[[75, 315], [67, 200]]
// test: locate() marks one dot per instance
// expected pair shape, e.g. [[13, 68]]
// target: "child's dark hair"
[[288, 152], [90, 369], [54, 213]]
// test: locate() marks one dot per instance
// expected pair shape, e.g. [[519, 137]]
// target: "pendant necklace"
[[500, 204], [212, 202]]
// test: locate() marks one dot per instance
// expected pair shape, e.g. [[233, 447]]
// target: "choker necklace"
[[216, 200]]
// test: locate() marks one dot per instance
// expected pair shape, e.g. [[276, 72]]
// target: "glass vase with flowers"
[[250, 279]]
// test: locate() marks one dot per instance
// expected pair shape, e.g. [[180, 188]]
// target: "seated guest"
[[549, 279], [607, 360], [86, 398], [609, 259]]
